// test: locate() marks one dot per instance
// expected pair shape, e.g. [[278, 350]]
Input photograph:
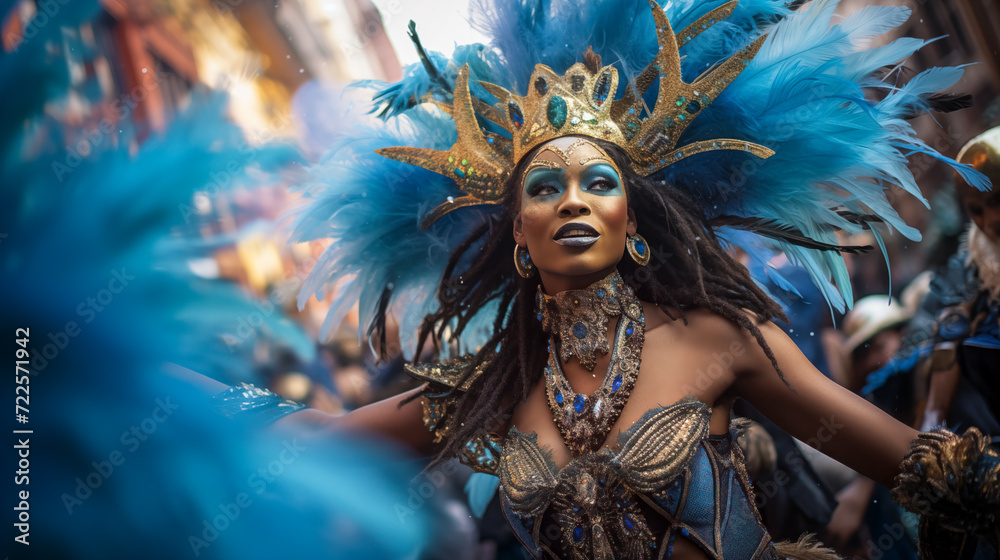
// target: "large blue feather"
[[417, 84], [802, 96]]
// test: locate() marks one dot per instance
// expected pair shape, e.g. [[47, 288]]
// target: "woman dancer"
[[598, 386]]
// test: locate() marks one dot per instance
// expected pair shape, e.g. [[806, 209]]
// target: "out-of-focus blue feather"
[[133, 461], [901, 364], [120, 209], [34, 61]]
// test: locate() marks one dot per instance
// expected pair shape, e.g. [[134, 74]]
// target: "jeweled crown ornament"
[[581, 102]]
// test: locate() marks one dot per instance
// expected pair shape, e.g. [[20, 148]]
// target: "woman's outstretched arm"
[[385, 419], [819, 412]]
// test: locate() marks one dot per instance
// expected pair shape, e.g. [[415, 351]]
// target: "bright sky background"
[[440, 24]]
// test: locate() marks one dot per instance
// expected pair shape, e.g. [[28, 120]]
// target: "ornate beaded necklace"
[[578, 323]]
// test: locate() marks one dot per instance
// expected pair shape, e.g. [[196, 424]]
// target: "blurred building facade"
[[143, 57]]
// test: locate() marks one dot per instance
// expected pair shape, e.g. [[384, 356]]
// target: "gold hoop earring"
[[638, 249], [522, 262]]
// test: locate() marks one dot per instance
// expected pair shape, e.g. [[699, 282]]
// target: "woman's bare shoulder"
[[700, 326]]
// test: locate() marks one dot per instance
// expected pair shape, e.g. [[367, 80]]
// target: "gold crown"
[[581, 102]]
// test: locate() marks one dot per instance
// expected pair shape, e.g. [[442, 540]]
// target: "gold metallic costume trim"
[[578, 319], [446, 372], [595, 498], [953, 482]]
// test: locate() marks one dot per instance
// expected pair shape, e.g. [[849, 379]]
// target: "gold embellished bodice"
[[650, 454], [595, 497], [664, 478]]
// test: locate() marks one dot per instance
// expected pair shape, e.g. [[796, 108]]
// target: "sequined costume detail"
[[249, 401], [666, 478], [953, 482], [446, 380]]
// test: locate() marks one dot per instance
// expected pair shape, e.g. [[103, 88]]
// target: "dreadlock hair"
[[514, 358]]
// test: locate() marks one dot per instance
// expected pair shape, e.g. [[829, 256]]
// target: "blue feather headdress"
[[806, 95]]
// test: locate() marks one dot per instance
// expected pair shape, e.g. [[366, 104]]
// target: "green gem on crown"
[[556, 111]]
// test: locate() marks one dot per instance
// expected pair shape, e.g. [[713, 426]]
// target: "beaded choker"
[[579, 320]]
